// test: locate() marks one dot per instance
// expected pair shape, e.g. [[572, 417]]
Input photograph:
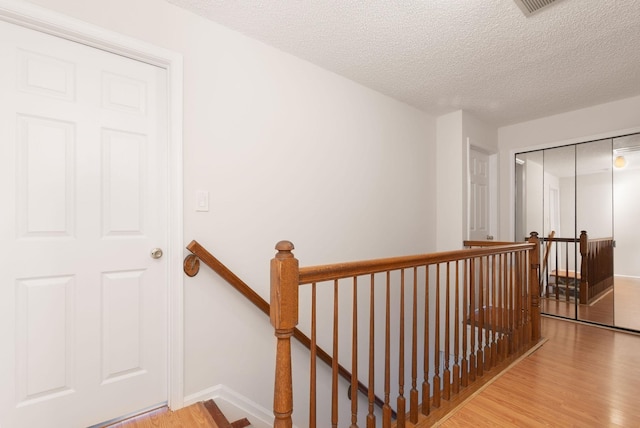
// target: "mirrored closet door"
[[576, 197]]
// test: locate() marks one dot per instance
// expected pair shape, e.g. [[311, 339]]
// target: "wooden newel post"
[[584, 248], [284, 318], [534, 288]]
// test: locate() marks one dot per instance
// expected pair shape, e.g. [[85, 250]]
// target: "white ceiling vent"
[[529, 7]]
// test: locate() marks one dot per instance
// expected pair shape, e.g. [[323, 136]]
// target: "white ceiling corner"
[[482, 56]]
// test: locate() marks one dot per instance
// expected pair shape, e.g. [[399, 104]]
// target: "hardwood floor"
[[627, 302], [583, 376], [194, 416]]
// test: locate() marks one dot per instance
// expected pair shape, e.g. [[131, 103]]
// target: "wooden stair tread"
[[220, 419], [205, 412]]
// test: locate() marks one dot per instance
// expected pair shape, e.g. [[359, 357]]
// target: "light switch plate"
[[202, 200]]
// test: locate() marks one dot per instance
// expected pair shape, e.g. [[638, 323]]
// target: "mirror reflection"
[[576, 197]]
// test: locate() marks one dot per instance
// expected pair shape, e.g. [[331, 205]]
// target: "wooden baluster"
[[446, 374], [354, 356], [436, 353], [557, 279], [464, 378], [284, 318], [386, 408], [334, 365], [536, 319], [567, 280], [526, 303], [503, 307], [525, 286], [553, 243], [481, 321], [501, 284], [473, 366], [524, 280], [516, 302], [557, 257], [312, 383], [495, 315], [522, 284], [535, 260], [401, 401], [487, 315], [512, 305], [507, 304], [371, 417], [413, 394], [426, 386], [494, 311], [456, 334]]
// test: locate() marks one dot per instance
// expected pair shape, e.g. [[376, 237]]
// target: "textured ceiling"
[[483, 56]]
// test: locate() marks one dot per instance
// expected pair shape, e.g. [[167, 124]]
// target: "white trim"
[[50, 22], [46, 21], [253, 411], [625, 276], [577, 140]]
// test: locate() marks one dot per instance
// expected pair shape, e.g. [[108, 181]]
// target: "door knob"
[[156, 253]]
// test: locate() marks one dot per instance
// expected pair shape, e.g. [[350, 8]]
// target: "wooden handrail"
[[191, 268], [309, 275], [543, 239], [484, 243], [201, 253]]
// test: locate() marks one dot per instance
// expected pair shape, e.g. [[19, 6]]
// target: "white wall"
[[568, 208], [627, 233], [604, 120], [534, 203], [287, 151], [450, 163], [594, 204]]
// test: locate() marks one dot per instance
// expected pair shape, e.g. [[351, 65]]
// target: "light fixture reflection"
[[619, 161]]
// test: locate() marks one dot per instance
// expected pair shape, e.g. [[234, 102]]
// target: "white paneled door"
[[479, 196], [83, 304]]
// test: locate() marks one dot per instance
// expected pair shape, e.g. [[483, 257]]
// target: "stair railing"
[[191, 267], [479, 307]]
